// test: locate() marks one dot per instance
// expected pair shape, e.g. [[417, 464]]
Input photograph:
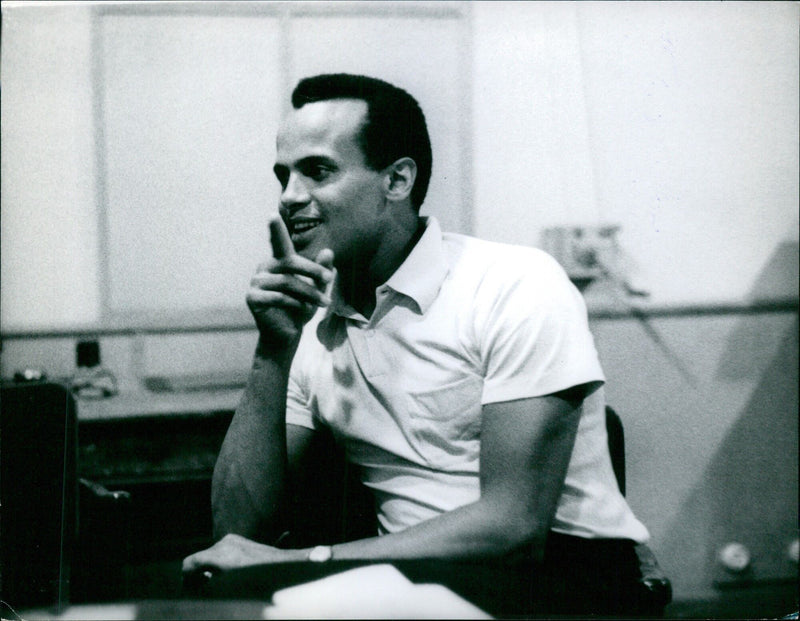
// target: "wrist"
[[267, 350]]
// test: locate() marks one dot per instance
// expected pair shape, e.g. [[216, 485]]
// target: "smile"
[[301, 231], [304, 226]]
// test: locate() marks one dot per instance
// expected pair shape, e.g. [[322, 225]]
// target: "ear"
[[399, 179]]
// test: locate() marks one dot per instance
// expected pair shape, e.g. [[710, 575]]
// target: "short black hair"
[[395, 125]]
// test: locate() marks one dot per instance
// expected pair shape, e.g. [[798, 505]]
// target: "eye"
[[318, 172], [282, 175]]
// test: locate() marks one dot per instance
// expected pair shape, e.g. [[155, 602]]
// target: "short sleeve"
[[533, 330], [298, 396]]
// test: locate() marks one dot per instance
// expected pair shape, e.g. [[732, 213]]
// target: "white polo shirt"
[[463, 322]]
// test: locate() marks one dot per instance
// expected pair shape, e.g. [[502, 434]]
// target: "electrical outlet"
[[87, 354]]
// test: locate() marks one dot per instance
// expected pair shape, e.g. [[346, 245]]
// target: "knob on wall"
[[735, 557]]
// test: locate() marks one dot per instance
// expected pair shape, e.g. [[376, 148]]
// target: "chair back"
[[654, 591], [38, 490], [616, 446]]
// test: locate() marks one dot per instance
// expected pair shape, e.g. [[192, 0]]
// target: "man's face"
[[330, 198]]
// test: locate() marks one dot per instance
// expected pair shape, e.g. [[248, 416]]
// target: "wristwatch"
[[320, 554]]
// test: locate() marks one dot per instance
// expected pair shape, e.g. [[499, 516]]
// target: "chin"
[[307, 252]]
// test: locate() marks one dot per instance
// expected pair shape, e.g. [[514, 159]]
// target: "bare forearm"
[[475, 531], [479, 530], [249, 480], [525, 451], [250, 477]]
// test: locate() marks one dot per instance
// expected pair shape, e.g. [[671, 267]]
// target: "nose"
[[294, 195]]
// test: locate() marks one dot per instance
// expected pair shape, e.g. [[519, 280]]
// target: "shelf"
[[144, 404], [151, 449]]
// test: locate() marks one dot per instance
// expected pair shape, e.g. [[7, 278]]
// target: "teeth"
[[302, 227]]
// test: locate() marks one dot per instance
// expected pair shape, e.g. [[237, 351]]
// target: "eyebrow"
[[311, 160]]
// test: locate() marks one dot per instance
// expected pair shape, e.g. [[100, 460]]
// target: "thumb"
[[325, 258]]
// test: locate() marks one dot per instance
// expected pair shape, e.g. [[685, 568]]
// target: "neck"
[[358, 281]]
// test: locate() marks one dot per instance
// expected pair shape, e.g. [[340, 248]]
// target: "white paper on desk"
[[371, 592]]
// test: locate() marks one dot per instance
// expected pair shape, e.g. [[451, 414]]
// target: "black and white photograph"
[[349, 309]]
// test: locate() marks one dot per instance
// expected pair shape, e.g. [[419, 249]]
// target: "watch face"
[[320, 554]]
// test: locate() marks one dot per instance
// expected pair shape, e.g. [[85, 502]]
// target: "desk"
[[523, 589], [162, 404], [160, 448], [152, 437], [375, 591], [492, 587]]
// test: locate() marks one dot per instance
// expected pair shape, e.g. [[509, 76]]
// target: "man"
[[458, 374]]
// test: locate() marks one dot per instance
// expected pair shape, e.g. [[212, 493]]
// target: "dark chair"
[[616, 446], [38, 479], [39, 494], [655, 589], [356, 519]]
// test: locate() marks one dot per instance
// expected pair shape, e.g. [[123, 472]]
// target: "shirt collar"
[[419, 277]]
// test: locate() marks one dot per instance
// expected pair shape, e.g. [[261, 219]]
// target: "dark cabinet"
[[154, 507]]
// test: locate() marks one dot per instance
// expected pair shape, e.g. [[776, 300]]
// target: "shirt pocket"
[[446, 421]]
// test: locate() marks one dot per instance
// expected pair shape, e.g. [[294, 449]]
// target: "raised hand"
[[286, 290]]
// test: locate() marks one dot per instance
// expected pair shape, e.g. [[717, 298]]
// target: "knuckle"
[[252, 296], [265, 266]]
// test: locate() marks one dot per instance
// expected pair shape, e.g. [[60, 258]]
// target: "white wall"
[[186, 105], [50, 259], [532, 155], [678, 121], [712, 444]]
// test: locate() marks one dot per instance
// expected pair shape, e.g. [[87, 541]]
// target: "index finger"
[[282, 246]]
